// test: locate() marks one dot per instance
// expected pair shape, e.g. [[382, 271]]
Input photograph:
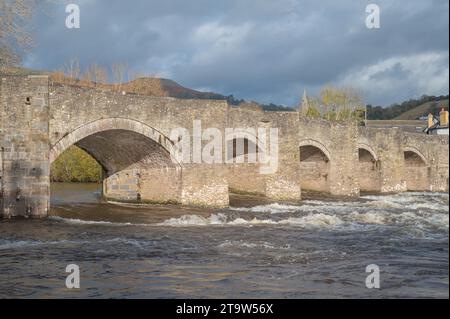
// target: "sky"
[[261, 50]]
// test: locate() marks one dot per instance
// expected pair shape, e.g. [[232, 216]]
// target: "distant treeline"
[[266, 107], [395, 110]]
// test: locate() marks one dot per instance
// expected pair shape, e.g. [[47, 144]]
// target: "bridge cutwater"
[[129, 135]]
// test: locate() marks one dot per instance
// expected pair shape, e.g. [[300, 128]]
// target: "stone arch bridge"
[[129, 135]]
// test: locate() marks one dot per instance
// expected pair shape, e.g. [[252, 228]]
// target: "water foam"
[[419, 210], [313, 220], [17, 244], [375, 218], [245, 245], [271, 208], [6, 244], [76, 221], [14, 244]]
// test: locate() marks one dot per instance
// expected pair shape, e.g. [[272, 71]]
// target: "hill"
[[145, 86], [166, 87], [433, 107], [408, 110]]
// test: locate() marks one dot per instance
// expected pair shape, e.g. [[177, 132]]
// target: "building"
[[437, 126]]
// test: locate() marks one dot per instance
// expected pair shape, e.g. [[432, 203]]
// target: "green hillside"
[[408, 110], [424, 109]]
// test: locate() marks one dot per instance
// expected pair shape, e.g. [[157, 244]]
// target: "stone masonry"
[[129, 135]]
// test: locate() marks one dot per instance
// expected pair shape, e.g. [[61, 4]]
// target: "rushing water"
[[317, 249]]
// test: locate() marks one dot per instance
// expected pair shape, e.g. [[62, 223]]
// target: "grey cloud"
[[255, 49]]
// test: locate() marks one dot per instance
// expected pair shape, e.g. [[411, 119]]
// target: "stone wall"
[[432, 173], [314, 169], [369, 171], [24, 115], [338, 142], [148, 185], [387, 146], [129, 135], [205, 185], [408, 161], [284, 183]]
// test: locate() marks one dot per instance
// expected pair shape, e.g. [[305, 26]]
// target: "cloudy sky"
[[268, 51]]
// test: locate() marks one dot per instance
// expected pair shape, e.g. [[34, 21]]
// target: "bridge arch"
[[316, 144], [369, 169], [314, 166], [243, 151], [139, 162], [369, 149], [416, 169], [242, 145], [413, 155], [102, 125]]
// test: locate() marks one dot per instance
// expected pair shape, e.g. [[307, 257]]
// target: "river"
[[317, 249]]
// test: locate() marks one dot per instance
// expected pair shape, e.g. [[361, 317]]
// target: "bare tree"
[[14, 36], [119, 72], [95, 75], [72, 69]]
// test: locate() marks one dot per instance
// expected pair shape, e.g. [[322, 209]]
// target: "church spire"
[[304, 106]]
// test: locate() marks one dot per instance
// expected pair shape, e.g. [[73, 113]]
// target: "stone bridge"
[[130, 136]]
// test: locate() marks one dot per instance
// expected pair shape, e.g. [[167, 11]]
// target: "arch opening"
[[369, 171], [242, 150], [413, 159], [244, 172], [417, 173], [135, 166], [314, 169]]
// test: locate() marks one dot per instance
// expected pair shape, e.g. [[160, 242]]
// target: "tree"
[[72, 69], [14, 35], [75, 165], [341, 104], [119, 71], [313, 112], [95, 75], [337, 104]]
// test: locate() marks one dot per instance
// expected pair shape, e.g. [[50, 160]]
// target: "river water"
[[317, 249]]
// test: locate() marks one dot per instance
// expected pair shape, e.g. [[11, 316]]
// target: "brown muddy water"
[[317, 249]]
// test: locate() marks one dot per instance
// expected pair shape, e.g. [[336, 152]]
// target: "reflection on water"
[[317, 249]]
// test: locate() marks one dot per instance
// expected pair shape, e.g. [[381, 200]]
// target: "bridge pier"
[[284, 184], [24, 114], [204, 185], [387, 147], [439, 176], [329, 157], [343, 177], [392, 178], [147, 185]]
